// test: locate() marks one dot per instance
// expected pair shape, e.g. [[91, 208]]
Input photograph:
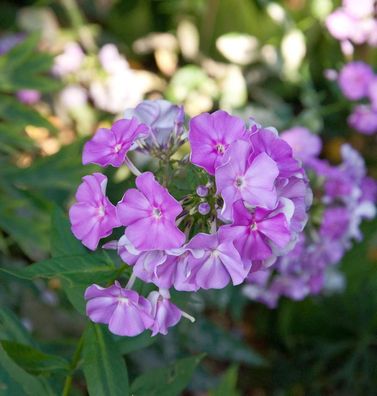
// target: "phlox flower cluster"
[[248, 212], [343, 197], [354, 23], [358, 82]]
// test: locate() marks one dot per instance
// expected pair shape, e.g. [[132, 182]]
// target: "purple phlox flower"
[[210, 135], [335, 223], [93, 216], [369, 190], [354, 80], [353, 164], [252, 179], [218, 261], [258, 289], [110, 146], [123, 310], [305, 145], [164, 312], [28, 96], [164, 119], [256, 235], [268, 141], [363, 119], [149, 213]]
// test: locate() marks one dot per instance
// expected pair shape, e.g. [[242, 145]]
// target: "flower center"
[[254, 226], [220, 148], [156, 213], [239, 181], [117, 148], [123, 300], [215, 253], [101, 212]]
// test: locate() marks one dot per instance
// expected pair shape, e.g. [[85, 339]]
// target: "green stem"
[[73, 366], [78, 23]]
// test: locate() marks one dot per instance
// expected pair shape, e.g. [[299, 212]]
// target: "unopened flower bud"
[[204, 208], [202, 191]]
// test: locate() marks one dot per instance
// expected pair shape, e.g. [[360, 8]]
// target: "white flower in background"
[[120, 88], [69, 61]]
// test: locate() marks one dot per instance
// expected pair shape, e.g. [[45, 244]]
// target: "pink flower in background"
[[251, 180], [339, 24], [124, 311], [218, 261], [364, 119], [305, 145], [93, 216], [28, 96], [354, 80], [149, 213], [210, 136], [359, 8], [164, 312], [110, 146], [255, 233]]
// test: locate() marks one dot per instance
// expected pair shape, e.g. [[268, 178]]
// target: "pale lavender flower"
[[123, 310], [202, 191], [164, 119], [164, 312], [217, 261], [204, 208]]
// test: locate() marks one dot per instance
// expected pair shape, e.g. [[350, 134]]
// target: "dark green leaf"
[[228, 383], [74, 268], [12, 329], [32, 360], [132, 344], [104, 368], [16, 381], [63, 243], [207, 337], [13, 111], [168, 381]]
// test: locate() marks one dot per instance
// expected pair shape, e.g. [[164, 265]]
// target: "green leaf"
[[207, 337], [12, 329], [32, 360], [228, 383], [73, 268], [168, 381], [104, 368], [16, 381], [132, 344], [63, 243], [13, 111]]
